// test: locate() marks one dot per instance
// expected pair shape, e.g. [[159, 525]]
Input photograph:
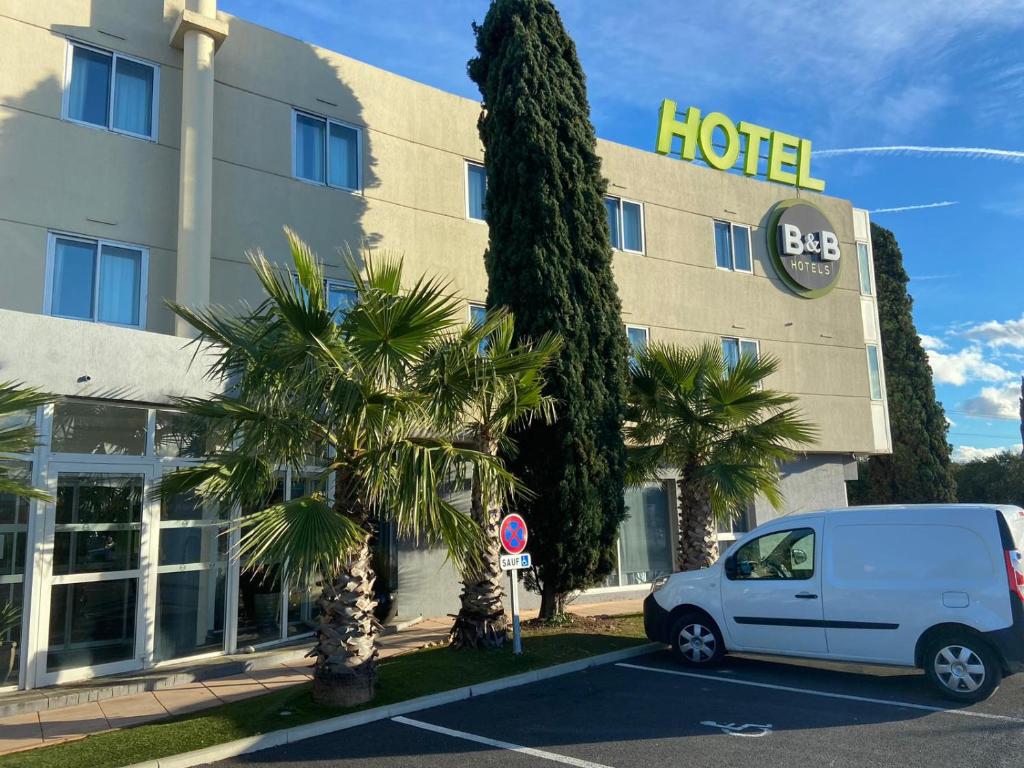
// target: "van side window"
[[778, 556]]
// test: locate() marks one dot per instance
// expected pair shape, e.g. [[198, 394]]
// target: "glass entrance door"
[[96, 533]]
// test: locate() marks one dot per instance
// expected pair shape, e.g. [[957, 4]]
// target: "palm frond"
[[307, 533]]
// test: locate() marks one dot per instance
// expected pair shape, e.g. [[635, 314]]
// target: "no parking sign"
[[513, 535]]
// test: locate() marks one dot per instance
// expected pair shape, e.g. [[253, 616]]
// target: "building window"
[[638, 337], [477, 313], [625, 224], [874, 372], [326, 151], [864, 263], [728, 531], [112, 91], [732, 246], [733, 348], [96, 280], [476, 191], [341, 297], [645, 537]]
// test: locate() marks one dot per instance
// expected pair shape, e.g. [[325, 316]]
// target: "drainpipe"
[[198, 33]]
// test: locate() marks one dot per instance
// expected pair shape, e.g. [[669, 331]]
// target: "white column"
[[195, 184]]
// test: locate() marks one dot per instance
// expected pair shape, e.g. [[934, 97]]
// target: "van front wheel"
[[962, 667], [696, 641]]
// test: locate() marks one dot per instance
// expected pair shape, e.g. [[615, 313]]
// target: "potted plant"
[[10, 620]]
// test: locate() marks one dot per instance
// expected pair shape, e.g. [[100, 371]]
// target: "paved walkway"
[[52, 726]]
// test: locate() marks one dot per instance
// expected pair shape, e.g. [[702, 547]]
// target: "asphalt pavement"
[[650, 711]]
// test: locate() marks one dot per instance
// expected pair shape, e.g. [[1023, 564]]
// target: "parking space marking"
[[825, 694], [553, 756]]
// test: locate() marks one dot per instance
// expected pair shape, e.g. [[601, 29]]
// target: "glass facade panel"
[[741, 247], [344, 154], [611, 205], [74, 263], [89, 94], [189, 613], [120, 285], [632, 227], [93, 427], [476, 186], [182, 436], [723, 245], [874, 374], [98, 523], [644, 537], [310, 148], [14, 512], [133, 97], [748, 348], [864, 266], [92, 623]]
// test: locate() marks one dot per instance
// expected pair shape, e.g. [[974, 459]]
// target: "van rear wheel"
[[697, 641], [962, 666]]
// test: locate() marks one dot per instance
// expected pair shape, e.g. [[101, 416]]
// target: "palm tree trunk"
[[345, 674], [698, 544], [482, 621]]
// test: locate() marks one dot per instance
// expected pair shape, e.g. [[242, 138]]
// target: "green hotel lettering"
[[789, 157]]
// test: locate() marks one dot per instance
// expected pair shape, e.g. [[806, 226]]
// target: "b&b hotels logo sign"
[[804, 248]]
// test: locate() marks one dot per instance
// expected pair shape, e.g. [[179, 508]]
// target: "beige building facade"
[[146, 145]]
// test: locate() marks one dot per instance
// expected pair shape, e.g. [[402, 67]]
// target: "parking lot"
[[651, 712]]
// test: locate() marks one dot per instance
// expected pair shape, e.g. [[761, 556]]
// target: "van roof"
[[1010, 512]]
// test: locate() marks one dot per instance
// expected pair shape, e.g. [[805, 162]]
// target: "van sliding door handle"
[[806, 596]]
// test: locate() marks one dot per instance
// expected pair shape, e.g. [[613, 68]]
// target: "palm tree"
[[719, 428], [18, 436], [358, 387], [504, 392]]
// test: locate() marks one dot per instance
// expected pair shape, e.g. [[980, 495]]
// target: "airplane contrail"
[[900, 209], [1011, 155]]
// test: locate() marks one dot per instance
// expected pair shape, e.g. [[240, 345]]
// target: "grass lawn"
[[416, 674]]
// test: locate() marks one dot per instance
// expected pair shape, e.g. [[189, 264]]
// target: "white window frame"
[[643, 224], [471, 306], [881, 376], [466, 179], [645, 328], [739, 341], [65, 109], [358, 189], [733, 226], [871, 268], [99, 242]]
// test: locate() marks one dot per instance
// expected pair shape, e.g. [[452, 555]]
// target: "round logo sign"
[[804, 248], [513, 534]]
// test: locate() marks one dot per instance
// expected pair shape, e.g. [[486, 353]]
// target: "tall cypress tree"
[[918, 470], [549, 261]]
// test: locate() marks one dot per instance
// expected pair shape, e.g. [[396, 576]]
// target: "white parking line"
[[553, 756], [825, 694]]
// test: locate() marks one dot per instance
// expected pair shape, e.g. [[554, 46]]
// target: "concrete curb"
[[342, 722]]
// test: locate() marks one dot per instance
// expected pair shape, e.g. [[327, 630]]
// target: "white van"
[[939, 587]]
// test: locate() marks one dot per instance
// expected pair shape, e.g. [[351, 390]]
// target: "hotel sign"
[[804, 248], [789, 157]]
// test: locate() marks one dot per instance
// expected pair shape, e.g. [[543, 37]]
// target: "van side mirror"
[[799, 557], [730, 567]]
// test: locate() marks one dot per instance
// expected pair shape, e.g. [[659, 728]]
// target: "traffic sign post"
[[513, 535]]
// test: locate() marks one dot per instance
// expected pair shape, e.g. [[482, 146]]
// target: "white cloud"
[[957, 368], [967, 153], [994, 402], [932, 342], [995, 333], [963, 453]]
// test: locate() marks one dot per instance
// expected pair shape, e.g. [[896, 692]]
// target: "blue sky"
[[844, 74]]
